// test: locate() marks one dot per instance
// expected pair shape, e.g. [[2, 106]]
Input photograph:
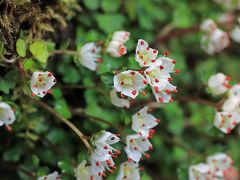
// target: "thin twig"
[[64, 51], [66, 121]]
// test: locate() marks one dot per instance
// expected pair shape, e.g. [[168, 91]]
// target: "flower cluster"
[[219, 166], [155, 71], [129, 171], [116, 46], [101, 158], [137, 144], [229, 116], [214, 39]]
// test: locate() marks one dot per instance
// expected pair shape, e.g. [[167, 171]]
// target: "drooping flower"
[[89, 55], [136, 146], [129, 83], [218, 84], [52, 176], [41, 83], [119, 102], [116, 46], [226, 121], [145, 55], [129, 171], [83, 172], [7, 115], [142, 122], [164, 95], [199, 171], [235, 34]]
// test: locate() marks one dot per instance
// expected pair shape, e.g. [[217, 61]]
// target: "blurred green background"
[[40, 143]]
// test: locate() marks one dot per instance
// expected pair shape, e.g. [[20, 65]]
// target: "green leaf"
[[65, 166], [39, 50], [91, 4], [62, 107], [107, 79], [110, 6], [182, 173], [28, 64], [21, 47], [110, 22]]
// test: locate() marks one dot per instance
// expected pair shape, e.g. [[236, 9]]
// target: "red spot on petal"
[[142, 42], [153, 60], [155, 51], [161, 67], [158, 120], [166, 53], [156, 80], [144, 93], [160, 99], [145, 81], [228, 78], [156, 89], [134, 92], [169, 79], [132, 73], [177, 71], [174, 61]]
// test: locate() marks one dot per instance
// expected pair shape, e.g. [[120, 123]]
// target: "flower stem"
[[67, 122], [64, 51]]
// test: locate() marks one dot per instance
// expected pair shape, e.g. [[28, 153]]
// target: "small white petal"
[[52, 176], [116, 49], [119, 102], [199, 171], [217, 84], [208, 25], [145, 55], [235, 34], [129, 171], [121, 36]]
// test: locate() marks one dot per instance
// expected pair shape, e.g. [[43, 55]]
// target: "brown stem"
[[66, 121], [64, 51]]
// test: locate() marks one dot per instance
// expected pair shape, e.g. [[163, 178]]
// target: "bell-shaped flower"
[[199, 171], [7, 115], [116, 49], [218, 84], [101, 161], [226, 121], [145, 55], [129, 83], [142, 122], [129, 171], [120, 36], [208, 26], [235, 34], [231, 105], [136, 146], [164, 95], [89, 56], [41, 83], [83, 172], [52, 176], [119, 102]]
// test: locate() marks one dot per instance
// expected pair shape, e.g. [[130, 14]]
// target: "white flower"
[[129, 171], [116, 49], [41, 83], [89, 56], [129, 83], [218, 84], [7, 115], [83, 172], [215, 41], [120, 36], [231, 105], [208, 26], [136, 146], [145, 55], [158, 74], [100, 161], [142, 122], [226, 121], [219, 163], [235, 34], [164, 95], [116, 46], [52, 176], [199, 171], [119, 102]]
